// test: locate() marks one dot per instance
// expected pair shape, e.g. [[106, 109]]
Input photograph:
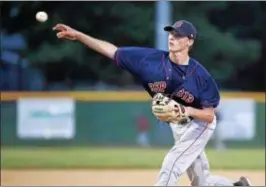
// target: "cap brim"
[[171, 28]]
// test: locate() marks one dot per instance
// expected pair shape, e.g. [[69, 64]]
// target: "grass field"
[[73, 166], [116, 158]]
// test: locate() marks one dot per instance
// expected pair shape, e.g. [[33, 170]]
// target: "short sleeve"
[[210, 96], [130, 58]]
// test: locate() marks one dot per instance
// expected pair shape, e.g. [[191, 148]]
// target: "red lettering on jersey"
[[180, 93], [157, 87], [185, 96], [190, 98]]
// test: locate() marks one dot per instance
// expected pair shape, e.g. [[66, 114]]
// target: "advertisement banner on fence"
[[236, 119], [46, 118]]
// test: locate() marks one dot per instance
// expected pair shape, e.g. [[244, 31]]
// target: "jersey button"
[[170, 70], [167, 78]]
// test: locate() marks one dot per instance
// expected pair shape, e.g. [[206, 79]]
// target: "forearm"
[[206, 115], [105, 48]]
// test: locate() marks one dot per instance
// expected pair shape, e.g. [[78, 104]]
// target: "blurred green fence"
[[112, 123]]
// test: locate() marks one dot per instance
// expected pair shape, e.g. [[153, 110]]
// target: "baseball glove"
[[167, 110]]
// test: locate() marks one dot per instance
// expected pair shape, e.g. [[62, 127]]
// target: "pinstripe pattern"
[[176, 160]]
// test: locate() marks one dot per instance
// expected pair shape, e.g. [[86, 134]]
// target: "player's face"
[[177, 43]]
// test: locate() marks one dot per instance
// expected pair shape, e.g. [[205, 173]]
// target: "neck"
[[179, 58]]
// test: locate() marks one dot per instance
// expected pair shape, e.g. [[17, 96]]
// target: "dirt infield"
[[103, 177]]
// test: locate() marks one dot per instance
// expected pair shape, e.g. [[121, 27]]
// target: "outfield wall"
[[105, 118]]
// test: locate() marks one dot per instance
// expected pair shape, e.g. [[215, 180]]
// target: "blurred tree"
[[230, 36], [249, 23], [120, 23], [221, 51]]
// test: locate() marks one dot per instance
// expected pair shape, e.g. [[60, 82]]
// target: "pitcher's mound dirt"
[[104, 177]]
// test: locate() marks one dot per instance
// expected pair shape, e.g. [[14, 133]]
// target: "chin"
[[171, 49]]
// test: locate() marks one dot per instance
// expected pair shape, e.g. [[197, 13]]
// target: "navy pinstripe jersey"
[[190, 85]]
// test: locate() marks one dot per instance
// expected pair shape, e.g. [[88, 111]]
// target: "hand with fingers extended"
[[66, 32]]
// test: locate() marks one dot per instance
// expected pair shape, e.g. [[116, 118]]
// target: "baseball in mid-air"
[[41, 16]]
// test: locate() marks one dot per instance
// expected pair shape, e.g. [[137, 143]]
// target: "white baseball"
[[41, 16]]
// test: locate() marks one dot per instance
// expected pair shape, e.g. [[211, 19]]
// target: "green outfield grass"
[[120, 158]]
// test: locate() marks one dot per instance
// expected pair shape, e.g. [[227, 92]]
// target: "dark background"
[[231, 43]]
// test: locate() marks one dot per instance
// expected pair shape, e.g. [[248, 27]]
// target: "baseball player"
[[184, 95]]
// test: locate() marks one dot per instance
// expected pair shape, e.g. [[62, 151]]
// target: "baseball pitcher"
[[184, 96]]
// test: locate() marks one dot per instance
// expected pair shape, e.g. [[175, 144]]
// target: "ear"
[[190, 42]]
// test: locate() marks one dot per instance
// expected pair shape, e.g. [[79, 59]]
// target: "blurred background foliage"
[[231, 42]]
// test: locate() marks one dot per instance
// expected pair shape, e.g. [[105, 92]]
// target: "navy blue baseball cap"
[[183, 28]]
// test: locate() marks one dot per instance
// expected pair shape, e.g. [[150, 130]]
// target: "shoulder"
[[200, 70], [202, 75], [131, 57], [142, 51]]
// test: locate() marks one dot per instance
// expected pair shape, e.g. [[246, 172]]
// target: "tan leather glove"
[[167, 110]]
